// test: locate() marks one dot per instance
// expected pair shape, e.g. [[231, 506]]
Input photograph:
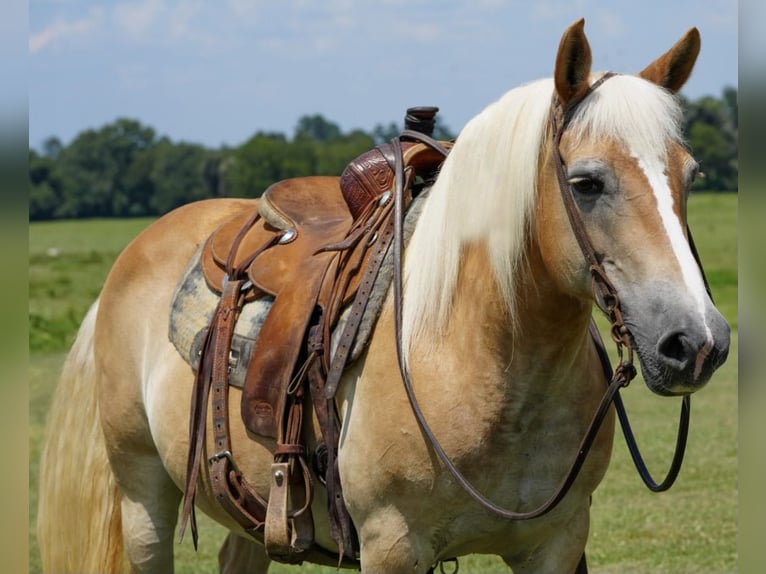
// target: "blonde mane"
[[487, 186]]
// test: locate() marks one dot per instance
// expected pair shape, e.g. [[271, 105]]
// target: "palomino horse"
[[497, 301]]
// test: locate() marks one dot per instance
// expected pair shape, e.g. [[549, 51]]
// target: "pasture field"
[[690, 529]]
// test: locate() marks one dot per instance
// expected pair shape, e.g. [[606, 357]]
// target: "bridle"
[[608, 301], [604, 291]]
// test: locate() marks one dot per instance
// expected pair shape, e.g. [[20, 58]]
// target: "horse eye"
[[587, 185]]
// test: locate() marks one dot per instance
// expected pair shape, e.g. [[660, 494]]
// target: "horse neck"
[[549, 324], [544, 326]]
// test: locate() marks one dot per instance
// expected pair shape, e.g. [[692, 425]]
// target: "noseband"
[[608, 301]]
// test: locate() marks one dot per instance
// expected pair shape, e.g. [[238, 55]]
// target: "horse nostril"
[[675, 350]]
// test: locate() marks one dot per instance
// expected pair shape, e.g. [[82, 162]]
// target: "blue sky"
[[215, 72]]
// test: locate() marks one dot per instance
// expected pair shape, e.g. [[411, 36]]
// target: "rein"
[[607, 300]]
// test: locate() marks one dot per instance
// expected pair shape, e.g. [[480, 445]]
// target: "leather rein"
[[607, 300]]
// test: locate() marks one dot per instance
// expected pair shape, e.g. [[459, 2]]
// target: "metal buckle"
[[224, 454]]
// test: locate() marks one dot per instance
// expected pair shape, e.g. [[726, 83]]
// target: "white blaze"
[[654, 170]]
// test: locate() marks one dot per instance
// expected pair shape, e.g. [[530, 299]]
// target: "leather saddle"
[[304, 247], [315, 245]]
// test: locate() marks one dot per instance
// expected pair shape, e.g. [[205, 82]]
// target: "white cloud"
[[180, 23], [611, 24], [142, 21], [137, 19], [245, 11], [62, 30]]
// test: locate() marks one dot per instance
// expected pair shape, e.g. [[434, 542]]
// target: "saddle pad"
[[194, 303], [192, 310]]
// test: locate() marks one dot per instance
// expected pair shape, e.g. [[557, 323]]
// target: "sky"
[[216, 72]]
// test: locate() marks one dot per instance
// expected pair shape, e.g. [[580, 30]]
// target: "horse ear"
[[573, 63], [672, 69]]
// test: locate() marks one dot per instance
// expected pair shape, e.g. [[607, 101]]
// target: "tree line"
[[124, 169]]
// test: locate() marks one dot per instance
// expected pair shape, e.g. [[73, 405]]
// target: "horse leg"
[[563, 552], [150, 503], [387, 544], [582, 566], [241, 556]]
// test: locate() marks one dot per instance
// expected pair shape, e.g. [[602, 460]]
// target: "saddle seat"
[[302, 214]]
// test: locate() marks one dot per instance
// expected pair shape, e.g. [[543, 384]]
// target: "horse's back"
[[167, 244]]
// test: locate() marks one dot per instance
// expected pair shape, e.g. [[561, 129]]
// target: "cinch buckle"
[[224, 454]]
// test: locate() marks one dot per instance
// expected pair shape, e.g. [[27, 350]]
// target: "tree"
[[177, 175], [316, 128], [86, 171], [44, 188], [442, 130], [128, 143], [95, 171], [52, 147], [333, 158], [138, 184], [730, 97], [123, 169], [385, 133], [711, 129], [256, 165]]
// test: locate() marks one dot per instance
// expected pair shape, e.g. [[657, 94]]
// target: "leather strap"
[[246, 507], [350, 330], [341, 526], [230, 488], [394, 154], [416, 136]]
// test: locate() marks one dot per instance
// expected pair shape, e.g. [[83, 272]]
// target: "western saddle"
[[315, 244]]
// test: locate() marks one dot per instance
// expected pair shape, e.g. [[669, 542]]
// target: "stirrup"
[[286, 539]]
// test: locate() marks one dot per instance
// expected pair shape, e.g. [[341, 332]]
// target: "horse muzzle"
[[679, 347]]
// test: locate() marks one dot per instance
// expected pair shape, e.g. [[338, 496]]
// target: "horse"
[[497, 298]]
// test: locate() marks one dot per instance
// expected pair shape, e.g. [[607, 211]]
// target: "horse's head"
[[630, 173]]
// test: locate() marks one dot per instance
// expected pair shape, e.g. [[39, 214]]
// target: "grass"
[[68, 262], [713, 221], [690, 529]]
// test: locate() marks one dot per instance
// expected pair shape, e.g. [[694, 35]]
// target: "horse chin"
[[666, 381]]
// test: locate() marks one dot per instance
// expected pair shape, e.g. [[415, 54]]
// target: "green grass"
[[68, 262], [713, 221], [690, 529]]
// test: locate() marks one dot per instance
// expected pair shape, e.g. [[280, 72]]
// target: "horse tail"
[[79, 520]]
